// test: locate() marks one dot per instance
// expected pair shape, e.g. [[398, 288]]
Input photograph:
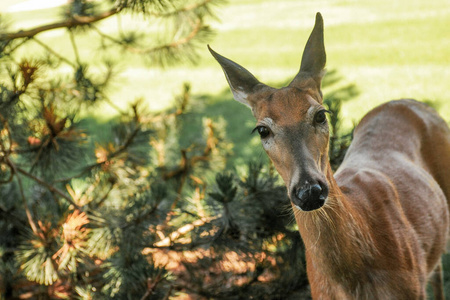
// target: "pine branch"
[[188, 8], [182, 41], [117, 177], [13, 48], [53, 52], [50, 187], [25, 203], [122, 148], [141, 217], [69, 23], [6, 151], [198, 26], [74, 46], [152, 284], [188, 163]]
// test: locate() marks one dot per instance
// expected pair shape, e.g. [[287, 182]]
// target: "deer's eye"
[[262, 130], [320, 117]]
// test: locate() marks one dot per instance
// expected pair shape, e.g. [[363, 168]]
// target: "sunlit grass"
[[388, 49]]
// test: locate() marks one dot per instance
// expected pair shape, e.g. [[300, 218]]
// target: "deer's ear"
[[314, 56], [241, 81]]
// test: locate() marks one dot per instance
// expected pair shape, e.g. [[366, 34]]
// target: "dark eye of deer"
[[263, 131], [320, 117]]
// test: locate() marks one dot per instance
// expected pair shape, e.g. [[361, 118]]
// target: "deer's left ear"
[[242, 83], [314, 56]]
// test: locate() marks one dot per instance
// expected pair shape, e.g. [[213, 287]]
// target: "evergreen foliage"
[[138, 212]]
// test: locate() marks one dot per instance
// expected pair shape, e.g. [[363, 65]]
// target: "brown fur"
[[384, 225], [389, 214]]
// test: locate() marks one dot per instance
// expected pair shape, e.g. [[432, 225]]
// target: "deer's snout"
[[310, 196]]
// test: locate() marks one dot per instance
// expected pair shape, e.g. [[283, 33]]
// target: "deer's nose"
[[310, 196]]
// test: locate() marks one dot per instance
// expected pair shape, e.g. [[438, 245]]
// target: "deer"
[[377, 227]]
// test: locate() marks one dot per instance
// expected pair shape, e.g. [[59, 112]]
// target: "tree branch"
[[27, 209], [47, 185], [197, 26], [183, 9], [69, 23], [53, 52], [182, 41], [4, 152], [75, 48], [122, 148]]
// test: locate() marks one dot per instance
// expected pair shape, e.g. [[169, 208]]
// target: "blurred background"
[[128, 171]]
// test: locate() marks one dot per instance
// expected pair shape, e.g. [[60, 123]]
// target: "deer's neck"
[[338, 242]]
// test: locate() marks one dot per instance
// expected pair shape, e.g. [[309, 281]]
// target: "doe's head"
[[291, 121]]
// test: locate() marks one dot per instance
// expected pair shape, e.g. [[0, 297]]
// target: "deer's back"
[[397, 168], [401, 132]]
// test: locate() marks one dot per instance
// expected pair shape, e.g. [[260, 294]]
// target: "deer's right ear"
[[314, 57], [242, 82]]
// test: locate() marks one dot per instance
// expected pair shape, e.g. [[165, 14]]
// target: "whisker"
[[316, 218], [288, 211]]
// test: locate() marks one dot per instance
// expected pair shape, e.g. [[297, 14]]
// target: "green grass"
[[388, 49]]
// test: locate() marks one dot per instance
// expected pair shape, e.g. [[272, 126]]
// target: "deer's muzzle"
[[310, 196]]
